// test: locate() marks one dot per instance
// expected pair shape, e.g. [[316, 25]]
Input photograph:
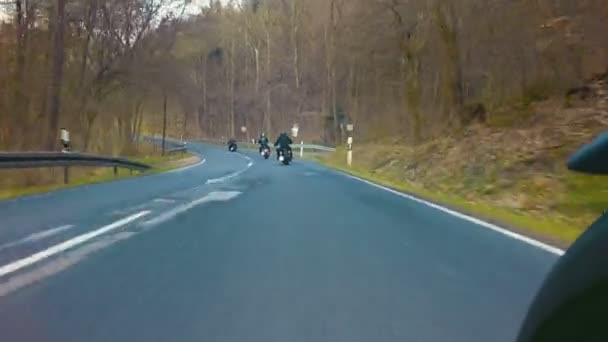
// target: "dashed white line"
[[57, 265], [163, 200], [513, 235], [38, 236], [51, 251]]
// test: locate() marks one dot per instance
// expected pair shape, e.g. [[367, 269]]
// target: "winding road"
[[241, 249]]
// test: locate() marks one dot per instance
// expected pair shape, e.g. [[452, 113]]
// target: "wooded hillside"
[[409, 70]]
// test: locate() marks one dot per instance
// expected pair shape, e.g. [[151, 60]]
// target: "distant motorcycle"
[[232, 147], [265, 152], [285, 155]]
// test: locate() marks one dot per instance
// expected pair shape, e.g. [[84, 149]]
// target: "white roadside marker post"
[[349, 154], [302, 149]]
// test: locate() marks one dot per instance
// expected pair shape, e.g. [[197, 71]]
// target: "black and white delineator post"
[[349, 154], [65, 140]]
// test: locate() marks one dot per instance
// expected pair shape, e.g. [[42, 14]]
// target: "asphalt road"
[[241, 249]]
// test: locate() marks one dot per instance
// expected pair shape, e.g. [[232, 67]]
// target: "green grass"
[[585, 193], [558, 229], [97, 175]]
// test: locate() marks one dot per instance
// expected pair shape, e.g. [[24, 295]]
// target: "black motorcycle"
[[285, 155], [265, 151], [232, 147]]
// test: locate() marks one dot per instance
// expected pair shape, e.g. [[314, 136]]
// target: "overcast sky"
[[194, 8], [196, 4]]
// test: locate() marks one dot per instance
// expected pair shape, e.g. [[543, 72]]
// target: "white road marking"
[[226, 178], [232, 175], [38, 236], [59, 264], [211, 197], [188, 167], [163, 200], [513, 235], [51, 251]]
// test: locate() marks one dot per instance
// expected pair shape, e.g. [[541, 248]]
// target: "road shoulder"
[[528, 226]]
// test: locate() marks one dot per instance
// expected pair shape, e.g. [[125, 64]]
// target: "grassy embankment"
[[510, 170], [16, 183]]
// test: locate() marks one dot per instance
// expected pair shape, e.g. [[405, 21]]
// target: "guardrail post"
[[115, 171], [66, 175]]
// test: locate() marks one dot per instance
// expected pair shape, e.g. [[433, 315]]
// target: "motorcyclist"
[[263, 141], [283, 142], [232, 143]]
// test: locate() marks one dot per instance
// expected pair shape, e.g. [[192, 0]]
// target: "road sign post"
[[245, 131], [295, 130]]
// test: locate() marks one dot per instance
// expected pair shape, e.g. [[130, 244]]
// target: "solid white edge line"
[[506, 232], [51, 251]]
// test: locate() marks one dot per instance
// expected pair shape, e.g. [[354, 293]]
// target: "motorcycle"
[[265, 152], [285, 156], [232, 147]]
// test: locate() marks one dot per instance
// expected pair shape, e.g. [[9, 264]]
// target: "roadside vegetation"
[[514, 174]]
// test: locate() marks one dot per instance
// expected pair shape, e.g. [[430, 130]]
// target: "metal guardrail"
[[314, 147], [181, 149], [174, 146], [22, 160]]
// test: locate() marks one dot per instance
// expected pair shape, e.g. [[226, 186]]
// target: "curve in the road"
[[297, 253]]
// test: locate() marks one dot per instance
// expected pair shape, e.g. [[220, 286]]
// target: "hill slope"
[[506, 170]]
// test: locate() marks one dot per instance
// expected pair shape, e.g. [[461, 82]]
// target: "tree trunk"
[[205, 93], [83, 96], [20, 53], [453, 68], [257, 70], [267, 115], [139, 119], [246, 73], [90, 26], [44, 89], [294, 41], [164, 143], [56, 75], [232, 52], [331, 70]]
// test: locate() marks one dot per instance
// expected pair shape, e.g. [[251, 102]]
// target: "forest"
[[409, 71]]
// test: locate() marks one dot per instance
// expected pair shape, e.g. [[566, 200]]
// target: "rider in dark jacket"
[[263, 141], [283, 142]]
